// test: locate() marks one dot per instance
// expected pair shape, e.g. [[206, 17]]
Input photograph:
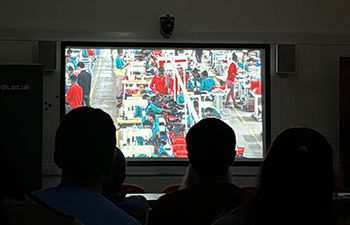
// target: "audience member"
[[296, 183], [191, 178], [14, 209], [32, 211], [211, 150], [135, 206], [85, 153]]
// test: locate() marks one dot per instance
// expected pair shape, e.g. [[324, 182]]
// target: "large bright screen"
[[155, 94]]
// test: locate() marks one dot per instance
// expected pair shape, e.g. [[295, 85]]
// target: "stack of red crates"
[[256, 84], [240, 151], [179, 146]]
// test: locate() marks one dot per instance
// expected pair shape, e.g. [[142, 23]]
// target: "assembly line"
[[156, 95]]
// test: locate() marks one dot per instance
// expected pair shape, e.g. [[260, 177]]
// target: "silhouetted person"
[[14, 209], [191, 178], [211, 150], [35, 212], [84, 81], [135, 206], [296, 183], [84, 150]]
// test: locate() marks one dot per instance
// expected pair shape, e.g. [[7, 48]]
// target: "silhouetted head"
[[118, 175], [211, 147], [299, 163], [85, 144]]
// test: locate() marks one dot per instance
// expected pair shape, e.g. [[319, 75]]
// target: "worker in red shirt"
[[74, 97], [230, 80], [161, 83]]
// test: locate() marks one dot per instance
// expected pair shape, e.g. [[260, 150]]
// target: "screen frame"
[[266, 115]]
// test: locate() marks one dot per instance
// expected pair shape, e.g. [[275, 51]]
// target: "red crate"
[[240, 151]]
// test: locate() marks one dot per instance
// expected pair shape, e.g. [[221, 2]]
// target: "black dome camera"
[[167, 25]]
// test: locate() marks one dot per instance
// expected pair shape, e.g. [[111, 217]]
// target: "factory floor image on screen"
[[155, 95]]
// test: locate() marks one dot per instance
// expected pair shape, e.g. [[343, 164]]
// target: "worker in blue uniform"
[[207, 83]]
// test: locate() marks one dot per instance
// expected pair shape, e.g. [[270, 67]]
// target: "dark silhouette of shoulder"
[[32, 211], [200, 204]]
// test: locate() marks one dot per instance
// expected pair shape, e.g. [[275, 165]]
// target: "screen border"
[[190, 45]]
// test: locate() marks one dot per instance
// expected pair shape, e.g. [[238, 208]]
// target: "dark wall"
[[344, 124], [21, 121]]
